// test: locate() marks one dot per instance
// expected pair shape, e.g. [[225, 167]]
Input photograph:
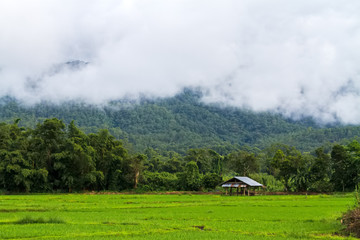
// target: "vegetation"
[[351, 218], [171, 216], [54, 157], [181, 123], [177, 144], [31, 220]]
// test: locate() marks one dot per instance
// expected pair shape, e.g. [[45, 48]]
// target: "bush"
[[155, 181], [351, 219], [269, 181], [211, 180], [31, 220], [190, 179], [321, 186]]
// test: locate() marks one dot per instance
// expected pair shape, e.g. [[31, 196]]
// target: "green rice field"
[[183, 216]]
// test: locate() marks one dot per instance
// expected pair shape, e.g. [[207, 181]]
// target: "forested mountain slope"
[[182, 122]]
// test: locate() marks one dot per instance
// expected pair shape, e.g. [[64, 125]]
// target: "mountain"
[[182, 122]]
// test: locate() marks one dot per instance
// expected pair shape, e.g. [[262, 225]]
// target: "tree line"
[[54, 157], [181, 122]]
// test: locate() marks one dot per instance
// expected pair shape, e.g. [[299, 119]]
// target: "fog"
[[299, 58]]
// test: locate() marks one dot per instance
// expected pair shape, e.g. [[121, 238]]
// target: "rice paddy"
[[186, 216]]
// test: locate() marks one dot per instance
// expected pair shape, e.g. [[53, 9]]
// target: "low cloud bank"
[[299, 58]]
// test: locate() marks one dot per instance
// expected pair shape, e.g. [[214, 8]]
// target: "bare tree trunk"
[[136, 179]]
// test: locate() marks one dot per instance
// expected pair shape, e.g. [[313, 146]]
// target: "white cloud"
[[289, 56]]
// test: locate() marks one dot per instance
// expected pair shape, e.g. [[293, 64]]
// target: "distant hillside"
[[182, 122]]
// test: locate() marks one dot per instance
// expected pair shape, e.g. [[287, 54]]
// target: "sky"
[[299, 58]]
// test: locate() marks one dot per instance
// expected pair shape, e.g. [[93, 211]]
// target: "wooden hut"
[[242, 185]]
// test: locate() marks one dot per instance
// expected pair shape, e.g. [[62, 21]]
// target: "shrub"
[[155, 181], [321, 186], [211, 180], [269, 181], [351, 219], [190, 179], [31, 220]]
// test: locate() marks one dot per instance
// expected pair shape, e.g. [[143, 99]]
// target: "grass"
[[31, 220], [76, 216]]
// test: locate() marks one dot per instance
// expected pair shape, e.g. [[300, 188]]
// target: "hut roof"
[[246, 180]]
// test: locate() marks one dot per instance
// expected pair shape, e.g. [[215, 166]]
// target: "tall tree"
[[207, 160], [243, 163], [342, 167], [320, 171], [286, 166], [190, 179], [16, 172], [47, 139], [109, 158]]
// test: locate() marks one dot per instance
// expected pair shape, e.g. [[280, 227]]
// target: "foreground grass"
[[171, 217]]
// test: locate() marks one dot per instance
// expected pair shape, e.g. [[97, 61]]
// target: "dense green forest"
[[176, 143], [55, 157], [182, 122]]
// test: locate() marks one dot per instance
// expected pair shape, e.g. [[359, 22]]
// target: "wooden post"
[[244, 191], [237, 191], [249, 191]]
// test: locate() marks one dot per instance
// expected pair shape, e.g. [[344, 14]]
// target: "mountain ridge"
[[182, 122]]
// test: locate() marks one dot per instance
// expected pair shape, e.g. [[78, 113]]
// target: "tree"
[[321, 167], [211, 180], [76, 163], [320, 172], [277, 162], [290, 168], [354, 151], [173, 165], [190, 179], [137, 165], [110, 157], [342, 176], [243, 163], [46, 140], [154, 160], [159, 181], [207, 160], [16, 172]]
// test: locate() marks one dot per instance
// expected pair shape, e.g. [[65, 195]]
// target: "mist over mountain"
[[299, 59], [175, 75], [182, 122]]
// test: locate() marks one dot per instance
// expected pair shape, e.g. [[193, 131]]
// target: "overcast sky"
[[298, 57]]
